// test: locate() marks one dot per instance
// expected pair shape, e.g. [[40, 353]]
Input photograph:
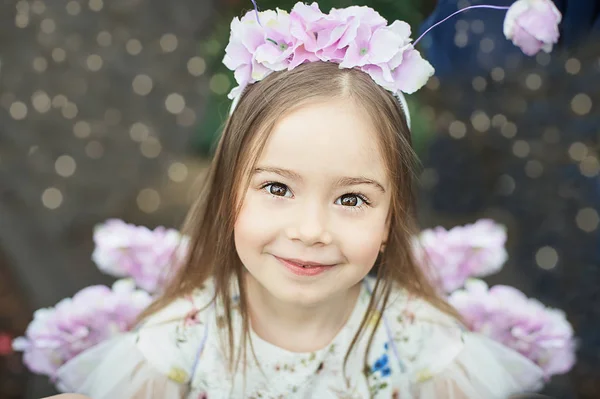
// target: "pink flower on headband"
[[354, 37], [532, 25], [240, 54]]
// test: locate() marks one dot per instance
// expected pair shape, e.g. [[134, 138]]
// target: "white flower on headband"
[[533, 25], [269, 41]]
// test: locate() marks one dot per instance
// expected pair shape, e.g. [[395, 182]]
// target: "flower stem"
[[455, 13], [256, 11]]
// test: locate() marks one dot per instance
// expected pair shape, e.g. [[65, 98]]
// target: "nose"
[[310, 226]]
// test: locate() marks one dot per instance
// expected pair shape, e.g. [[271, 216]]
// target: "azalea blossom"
[[450, 257], [532, 25], [506, 315], [149, 257], [354, 37], [93, 315]]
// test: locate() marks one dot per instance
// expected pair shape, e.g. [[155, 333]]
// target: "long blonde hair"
[[210, 222]]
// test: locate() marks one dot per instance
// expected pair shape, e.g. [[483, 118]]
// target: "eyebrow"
[[341, 182]]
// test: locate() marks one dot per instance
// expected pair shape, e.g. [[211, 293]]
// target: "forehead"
[[331, 137]]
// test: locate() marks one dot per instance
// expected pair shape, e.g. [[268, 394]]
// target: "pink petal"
[[528, 44], [379, 76], [242, 74], [402, 29], [543, 27], [299, 32], [532, 25], [396, 60], [353, 56], [300, 56], [349, 34], [306, 13], [383, 43], [330, 36], [259, 72], [413, 72], [251, 35], [236, 55], [267, 53], [366, 15]]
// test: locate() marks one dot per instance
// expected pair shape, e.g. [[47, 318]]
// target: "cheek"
[[362, 241], [252, 228]]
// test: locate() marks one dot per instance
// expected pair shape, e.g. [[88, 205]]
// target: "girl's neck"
[[296, 328]]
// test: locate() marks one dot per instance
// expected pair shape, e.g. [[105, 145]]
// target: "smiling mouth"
[[304, 264], [304, 268]]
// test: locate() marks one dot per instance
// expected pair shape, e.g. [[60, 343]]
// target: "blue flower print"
[[382, 364]]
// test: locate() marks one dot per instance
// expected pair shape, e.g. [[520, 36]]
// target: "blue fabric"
[[468, 173], [581, 20]]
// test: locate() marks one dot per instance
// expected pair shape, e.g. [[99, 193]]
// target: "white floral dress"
[[417, 352]]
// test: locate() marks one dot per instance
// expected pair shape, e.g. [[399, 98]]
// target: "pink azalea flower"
[[147, 256], [532, 25], [355, 36], [343, 29], [93, 315], [450, 257], [246, 37], [507, 316], [278, 44], [377, 47], [304, 20], [406, 72]]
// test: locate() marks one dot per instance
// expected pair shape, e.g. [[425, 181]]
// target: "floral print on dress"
[[178, 375], [379, 372], [405, 352]]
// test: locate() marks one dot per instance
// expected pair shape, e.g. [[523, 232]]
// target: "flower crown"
[[359, 37]]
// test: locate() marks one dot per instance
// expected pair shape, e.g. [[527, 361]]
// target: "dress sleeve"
[[448, 361], [118, 369], [482, 368], [156, 361]]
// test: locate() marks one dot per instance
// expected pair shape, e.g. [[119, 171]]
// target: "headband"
[[263, 42]]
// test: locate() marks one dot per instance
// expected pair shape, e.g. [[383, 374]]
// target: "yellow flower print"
[[178, 375], [373, 319], [423, 375]]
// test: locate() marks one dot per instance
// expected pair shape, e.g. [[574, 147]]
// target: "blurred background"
[[110, 109]]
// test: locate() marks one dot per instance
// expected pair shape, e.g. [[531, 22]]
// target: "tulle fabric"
[[429, 356], [482, 369], [117, 369]]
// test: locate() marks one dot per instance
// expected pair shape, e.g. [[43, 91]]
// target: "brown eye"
[[349, 200], [277, 189]]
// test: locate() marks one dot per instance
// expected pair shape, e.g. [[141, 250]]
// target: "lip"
[[295, 266]]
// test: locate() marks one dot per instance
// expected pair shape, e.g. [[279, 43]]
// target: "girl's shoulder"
[[160, 352], [172, 338], [411, 310], [424, 336], [185, 310], [435, 349], [407, 311]]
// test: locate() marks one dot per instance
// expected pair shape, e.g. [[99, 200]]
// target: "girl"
[[310, 192]]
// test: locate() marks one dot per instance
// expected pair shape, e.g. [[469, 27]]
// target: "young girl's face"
[[316, 212]]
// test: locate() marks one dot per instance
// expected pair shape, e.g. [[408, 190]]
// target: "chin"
[[292, 291], [302, 296]]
